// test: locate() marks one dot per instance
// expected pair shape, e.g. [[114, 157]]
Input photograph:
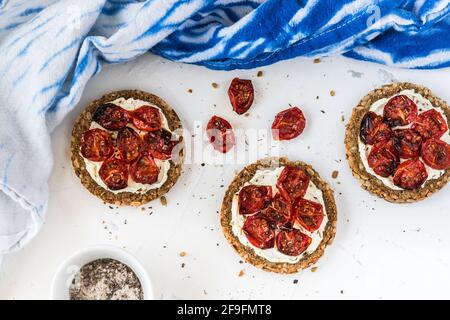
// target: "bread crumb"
[[247, 114], [313, 269], [332, 93], [317, 60], [214, 85], [163, 200], [241, 273], [335, 174], [259, 74], [183, 253]]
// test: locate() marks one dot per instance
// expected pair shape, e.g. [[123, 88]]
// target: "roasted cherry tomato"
[[288, 124], [292, 242], [254, 198], [220, 134], [144, 170], [111, 117], [259, 232], [410, 175], [436, 154], [159, 144], [308, 214], [278, 213], [373, 129], [430, 124], [147, 118], [400, 111], [241, 95], [383, 158], [114, 173], [292, 183], [129, 145], [96, 145], [407, 143]]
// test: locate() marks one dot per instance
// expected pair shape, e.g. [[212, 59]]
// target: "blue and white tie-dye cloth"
[[49, 49]]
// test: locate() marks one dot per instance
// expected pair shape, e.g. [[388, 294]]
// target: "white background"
[[381, 250]]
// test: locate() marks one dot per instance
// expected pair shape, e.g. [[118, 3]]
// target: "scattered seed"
[[259, 74], [317, 60], [214, 85], [335, 174], [241, 273], [183, 254], [295, 281], [163, 200], [189, 90], [332, 93], [313, 269]]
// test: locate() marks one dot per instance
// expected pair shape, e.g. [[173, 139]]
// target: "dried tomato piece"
[[278, 213], [407, 143], [383, 158], [220, 134], [430, 124], [147, 118], [400, 111], [114, 173], [288, 124], [159, 144], [129, 145], [308, 214], [292, 242], [373, 129], [111, 117], [410, 175], [436, 154], [144, 170], [259, 232], [241, 95], [96, 145], [293, 183], [254, 198]]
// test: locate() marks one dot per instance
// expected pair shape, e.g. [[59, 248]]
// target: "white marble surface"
[[381, 250]]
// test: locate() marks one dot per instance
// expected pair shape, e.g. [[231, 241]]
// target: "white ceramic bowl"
[[67, 270]]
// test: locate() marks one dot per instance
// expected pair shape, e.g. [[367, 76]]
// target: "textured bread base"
[[248, 253], [83, 123], [370, 182]]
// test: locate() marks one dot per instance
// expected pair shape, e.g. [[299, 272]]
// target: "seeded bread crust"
[[367, 180], [247, 253], [83, 123]]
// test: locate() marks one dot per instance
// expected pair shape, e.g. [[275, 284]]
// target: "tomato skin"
[[258, 232], [407, 143], [147, 118], [373, 129], [278, 213], [114, 173], [254, 198], [241, 94], [430, 124], [292, 183], [288, 124], [292, 242], [308, 214], [111, 116], [129, 145], [220, 134], [383, 158], [96, 145], [410, 174], [436, 154], [144, 170], [400, 111], [159, 144]]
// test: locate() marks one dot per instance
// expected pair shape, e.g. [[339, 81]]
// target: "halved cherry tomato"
[[144, 170], [308, 214], [220, 134], [407, 143], [410, 175], [259, 232], [373, 129], [241, 95], [129, 144], [159, 144], [293, 183], [114, 173], [111, 117], [278, 213], [254, 198], [430, 124], [383, 158], [292, 242], [288, 124], [147, 118], [400, 111], [96, 145], [436, 154]]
